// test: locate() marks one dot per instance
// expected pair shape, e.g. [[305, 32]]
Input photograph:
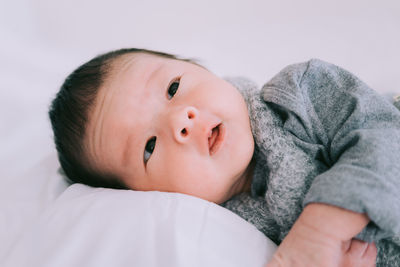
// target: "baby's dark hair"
[[69, 114]]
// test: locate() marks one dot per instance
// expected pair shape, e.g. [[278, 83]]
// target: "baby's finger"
[[360, 254], [346, 246], [357, 247], [371, 252]]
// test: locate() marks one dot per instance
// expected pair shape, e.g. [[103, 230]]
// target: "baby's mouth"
[[215, 138]]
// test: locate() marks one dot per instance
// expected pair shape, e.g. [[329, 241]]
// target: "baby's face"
[[169, 125]]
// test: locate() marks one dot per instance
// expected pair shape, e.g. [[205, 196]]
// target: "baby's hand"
[[304, 246], [322, 236], [354, 253]]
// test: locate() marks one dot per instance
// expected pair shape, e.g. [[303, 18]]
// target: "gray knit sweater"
[[322, 135]]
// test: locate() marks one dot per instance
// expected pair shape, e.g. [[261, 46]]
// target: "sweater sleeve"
[[359, 132]]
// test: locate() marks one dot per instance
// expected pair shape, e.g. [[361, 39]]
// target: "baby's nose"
[[183, 122]]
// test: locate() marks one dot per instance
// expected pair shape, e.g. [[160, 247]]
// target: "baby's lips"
[[208, 122], [212, 137], [217, 138]]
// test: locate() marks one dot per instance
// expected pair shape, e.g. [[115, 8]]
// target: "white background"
[[42, 41]]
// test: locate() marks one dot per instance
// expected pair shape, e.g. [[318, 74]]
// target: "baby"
[[312, 159]]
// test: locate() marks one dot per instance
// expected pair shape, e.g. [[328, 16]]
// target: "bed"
[[45, 221]]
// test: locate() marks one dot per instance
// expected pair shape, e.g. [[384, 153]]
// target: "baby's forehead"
[[129, 60], [136, 58], [133, 63], [144, 58]]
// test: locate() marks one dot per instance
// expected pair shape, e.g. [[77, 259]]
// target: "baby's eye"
[[173, 88], [148, 150]]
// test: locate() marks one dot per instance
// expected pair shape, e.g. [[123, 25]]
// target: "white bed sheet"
[[105, 227]]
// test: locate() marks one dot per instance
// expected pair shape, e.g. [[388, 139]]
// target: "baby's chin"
[[224, 196]]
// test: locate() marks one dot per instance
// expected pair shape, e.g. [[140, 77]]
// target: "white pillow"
[[105, 227]]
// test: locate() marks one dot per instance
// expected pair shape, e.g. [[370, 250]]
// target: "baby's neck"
[[248, 174]]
